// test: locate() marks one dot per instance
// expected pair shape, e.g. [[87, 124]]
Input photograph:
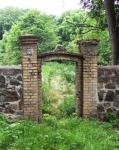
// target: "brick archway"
[[86, 76], [62, 54]]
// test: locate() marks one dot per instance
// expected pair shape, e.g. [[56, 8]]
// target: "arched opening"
[[58, 88], [86, 76], [64, 58]]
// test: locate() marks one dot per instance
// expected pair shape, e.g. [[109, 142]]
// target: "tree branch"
[[84, 25]]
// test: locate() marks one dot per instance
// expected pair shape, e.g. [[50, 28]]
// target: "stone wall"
[[108, 90], [10, 89]]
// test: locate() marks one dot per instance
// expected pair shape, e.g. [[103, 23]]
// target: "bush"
[[70, 133], [67, 107], [111, 118], [57, 83]]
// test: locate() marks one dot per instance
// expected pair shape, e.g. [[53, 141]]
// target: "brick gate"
[[86, 76]]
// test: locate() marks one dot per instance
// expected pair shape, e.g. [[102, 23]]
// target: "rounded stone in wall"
[[110, 96], [11, 96], [100, 108], [100, 86], [9, 110], [1, 109], [102, 116], [101, 95], [117, 92], [111, 110], [20, 93], [116, 101], [2, 81], [107, 105], [2, 99], [117, 114], [110, 86], [19, 78], [14, 82]]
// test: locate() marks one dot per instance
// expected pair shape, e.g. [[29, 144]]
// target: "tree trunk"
[[113, 29]]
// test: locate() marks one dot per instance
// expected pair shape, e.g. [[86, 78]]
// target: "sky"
[[54, 7]]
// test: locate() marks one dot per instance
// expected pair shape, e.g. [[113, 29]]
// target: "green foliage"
[[33, 22], [8, 16], [53, 134], [105, 49], [67, 106], [80, 25], [68, 29], [58, 87], [111, 118]]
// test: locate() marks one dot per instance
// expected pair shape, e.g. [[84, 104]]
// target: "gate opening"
[[86, 76], [58, 88]]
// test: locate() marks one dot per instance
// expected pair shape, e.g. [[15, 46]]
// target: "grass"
[[58, 86], [68, 133], [58, 134]]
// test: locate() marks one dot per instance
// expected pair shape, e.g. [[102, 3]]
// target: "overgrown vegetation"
[[53, 134], [50, 30], [32, 22], [58, 88]]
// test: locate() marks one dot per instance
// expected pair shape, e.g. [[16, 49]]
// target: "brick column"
[[89, 51], [40, 87], [78, 83], [30, 77]]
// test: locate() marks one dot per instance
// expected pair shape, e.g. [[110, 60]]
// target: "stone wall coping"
[[88, 42], [28, 39], [19, 66], [11, 67], [109, 67]]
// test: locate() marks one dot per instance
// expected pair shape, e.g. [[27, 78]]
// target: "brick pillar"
[[89, 51], [30, 77], [40, 87], [78, 83]]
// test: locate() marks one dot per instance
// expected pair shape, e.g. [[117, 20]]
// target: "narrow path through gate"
[[86, 76]]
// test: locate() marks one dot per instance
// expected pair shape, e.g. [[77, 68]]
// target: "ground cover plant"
[[58, 134], [60, 129]]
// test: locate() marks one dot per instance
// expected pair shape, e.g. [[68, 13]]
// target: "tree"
[[8, 16], [112, 15], [33, 22], [113, 29], [78, 25], [71, 27]]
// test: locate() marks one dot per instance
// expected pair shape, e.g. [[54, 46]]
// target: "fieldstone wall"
[[108, 90], [10, 89]]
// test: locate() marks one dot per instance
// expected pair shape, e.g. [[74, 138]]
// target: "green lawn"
[[58, 134]]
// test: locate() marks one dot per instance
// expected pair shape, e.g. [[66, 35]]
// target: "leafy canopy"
[[33, 22], [8, 16]]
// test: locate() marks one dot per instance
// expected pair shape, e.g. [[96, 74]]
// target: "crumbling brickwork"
[[86, 76], [89, 52], [30, 77]]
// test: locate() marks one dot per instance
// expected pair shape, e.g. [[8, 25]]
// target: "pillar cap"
[[88, 42], [28, 39]]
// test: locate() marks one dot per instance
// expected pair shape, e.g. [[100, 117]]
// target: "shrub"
[[67, 107]]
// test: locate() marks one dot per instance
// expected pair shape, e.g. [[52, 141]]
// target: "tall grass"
[[64, 134], [58, 86]]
